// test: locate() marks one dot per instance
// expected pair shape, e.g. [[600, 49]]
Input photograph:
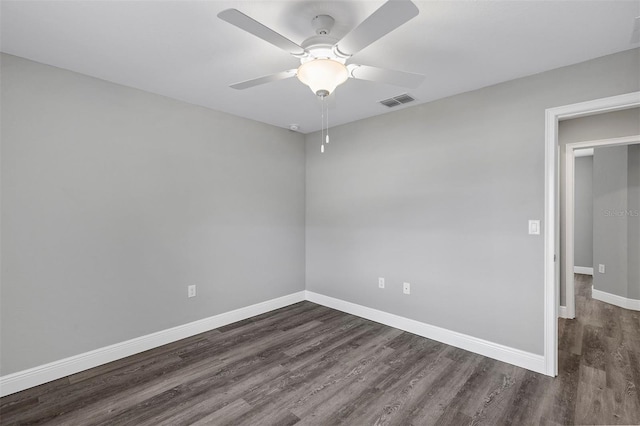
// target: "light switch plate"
[[534, 227]]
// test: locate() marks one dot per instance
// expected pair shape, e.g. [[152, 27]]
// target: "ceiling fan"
[[323, 59]]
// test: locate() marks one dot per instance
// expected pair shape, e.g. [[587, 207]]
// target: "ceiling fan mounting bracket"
[[323, 24]]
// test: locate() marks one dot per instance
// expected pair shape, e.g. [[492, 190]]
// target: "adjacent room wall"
[[593, 127], [608, 125], [114, 200], [439, 195], [583, 241], [610, 232], [633, 222]]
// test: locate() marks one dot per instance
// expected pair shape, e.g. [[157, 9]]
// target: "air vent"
[[397, 100]]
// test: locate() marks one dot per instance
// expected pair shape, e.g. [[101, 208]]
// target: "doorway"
[[551, 214], [569, 226]]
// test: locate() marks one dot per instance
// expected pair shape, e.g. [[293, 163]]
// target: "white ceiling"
[[180, 49]]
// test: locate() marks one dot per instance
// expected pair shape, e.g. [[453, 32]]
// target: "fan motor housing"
[[320, 47]]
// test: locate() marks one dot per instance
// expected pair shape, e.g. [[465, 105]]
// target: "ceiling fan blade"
[[397, 78], [250, 25], [387, 18], [266, 79]]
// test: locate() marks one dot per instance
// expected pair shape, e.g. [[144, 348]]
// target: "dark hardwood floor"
[[310, 365]]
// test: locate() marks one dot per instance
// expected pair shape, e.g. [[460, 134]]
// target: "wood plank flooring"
[[310, 365]]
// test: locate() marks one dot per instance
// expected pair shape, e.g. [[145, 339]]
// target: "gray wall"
[[114, 200], [594, 127], [583, 222], [633, 222], [610, 236], [439, 195]]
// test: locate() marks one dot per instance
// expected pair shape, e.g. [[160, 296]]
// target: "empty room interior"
[[320, 212]]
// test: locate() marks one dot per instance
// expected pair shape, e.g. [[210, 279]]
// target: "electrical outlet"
[[601, 268], [406, 288], [191, 291], [380, 282]]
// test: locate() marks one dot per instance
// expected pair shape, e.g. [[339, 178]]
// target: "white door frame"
[[551, 233], [569, 225]]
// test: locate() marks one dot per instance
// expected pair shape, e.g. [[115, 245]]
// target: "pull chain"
[[322, 125], [327, 138], [324, 138]]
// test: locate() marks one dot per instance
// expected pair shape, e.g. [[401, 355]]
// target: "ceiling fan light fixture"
[[322, 75]]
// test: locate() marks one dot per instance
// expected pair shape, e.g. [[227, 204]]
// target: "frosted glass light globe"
[[322, 75]]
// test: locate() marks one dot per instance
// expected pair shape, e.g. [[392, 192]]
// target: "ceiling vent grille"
[[397, 100]]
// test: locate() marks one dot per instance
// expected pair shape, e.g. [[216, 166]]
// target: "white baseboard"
[[25, 379], [614, 299], [22, 380], [583, 270], [507, 354]]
